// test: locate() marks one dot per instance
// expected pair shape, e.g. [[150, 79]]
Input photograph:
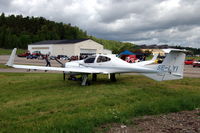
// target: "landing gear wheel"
[[63, 76], [87, 83], [94, 77], [112, 77]]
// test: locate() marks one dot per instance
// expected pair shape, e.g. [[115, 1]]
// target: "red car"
[[24, 54], [37, 53], [196, 63], [189, 62]]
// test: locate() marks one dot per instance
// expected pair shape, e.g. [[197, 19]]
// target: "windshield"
[[103, 59], [90, 59]]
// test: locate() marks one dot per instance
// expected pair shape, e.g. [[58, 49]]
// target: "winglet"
[[12, 57]]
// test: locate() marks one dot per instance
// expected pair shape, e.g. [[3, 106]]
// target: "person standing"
[[47, 60]]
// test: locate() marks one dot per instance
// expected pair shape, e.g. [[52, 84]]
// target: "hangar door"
[[87, 51]]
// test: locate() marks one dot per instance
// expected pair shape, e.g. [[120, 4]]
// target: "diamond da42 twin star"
[[170, 69]]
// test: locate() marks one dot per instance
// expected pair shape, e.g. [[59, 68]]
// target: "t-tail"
[[172, 67]]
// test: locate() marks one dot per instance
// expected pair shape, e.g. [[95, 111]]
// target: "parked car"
[[53, 57], [63, 57], [32, 57], [41, 57], [37, 53], [24, 54], [189, 62], [73, 58], [196, 63]]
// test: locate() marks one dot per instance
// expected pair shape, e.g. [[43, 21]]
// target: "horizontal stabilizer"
[[143, 63]]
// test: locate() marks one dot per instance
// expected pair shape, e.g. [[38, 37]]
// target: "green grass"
[[149, 57], [4, 66], [195, 58], [32, 102], [8, 51]]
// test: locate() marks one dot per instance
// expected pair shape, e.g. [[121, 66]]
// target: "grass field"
[[34, 102], [8, 51], [195, 58], [4, 66]]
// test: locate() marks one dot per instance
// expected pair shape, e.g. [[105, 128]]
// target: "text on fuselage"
[[166, 68]]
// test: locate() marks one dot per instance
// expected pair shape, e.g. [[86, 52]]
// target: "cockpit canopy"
[[90, 59], [103, 59], [99, 59]]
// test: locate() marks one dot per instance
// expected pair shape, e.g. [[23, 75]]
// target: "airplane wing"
[[66, 69], [143, 63], [77, 69]]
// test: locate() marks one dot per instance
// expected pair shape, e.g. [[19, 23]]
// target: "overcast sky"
[[174, 22]]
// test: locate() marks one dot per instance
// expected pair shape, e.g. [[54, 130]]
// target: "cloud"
[[174, 22], [4, 5]]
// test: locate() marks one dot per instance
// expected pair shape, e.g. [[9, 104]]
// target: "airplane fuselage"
[[108, 64]]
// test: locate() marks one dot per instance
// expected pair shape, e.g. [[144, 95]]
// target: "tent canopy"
[[126, 52]]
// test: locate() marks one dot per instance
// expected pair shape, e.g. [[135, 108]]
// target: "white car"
[[196, 63]]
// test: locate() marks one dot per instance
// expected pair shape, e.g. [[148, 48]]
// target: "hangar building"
[[68, 47]]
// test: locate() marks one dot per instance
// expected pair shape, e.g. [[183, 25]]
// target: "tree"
[[2, 19]]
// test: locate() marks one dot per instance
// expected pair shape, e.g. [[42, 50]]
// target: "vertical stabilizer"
[[12, 57], [171, 68]]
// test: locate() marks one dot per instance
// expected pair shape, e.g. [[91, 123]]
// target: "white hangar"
[[68, 47]]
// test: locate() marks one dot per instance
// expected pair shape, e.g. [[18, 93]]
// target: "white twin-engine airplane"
[[170, 69]]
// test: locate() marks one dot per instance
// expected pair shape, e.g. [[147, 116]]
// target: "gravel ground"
[[181, 122], [193, 72]]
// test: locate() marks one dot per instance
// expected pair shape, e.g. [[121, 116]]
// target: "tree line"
[[191, 51], [117, 46], [18, 31]]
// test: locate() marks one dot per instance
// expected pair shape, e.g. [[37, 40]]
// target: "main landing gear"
[[112, 77], [84, 78]]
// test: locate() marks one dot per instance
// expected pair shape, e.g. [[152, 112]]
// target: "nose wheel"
[[85, 80]]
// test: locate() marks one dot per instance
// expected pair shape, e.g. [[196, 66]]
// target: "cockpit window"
[[90, 59], [103, 59]]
